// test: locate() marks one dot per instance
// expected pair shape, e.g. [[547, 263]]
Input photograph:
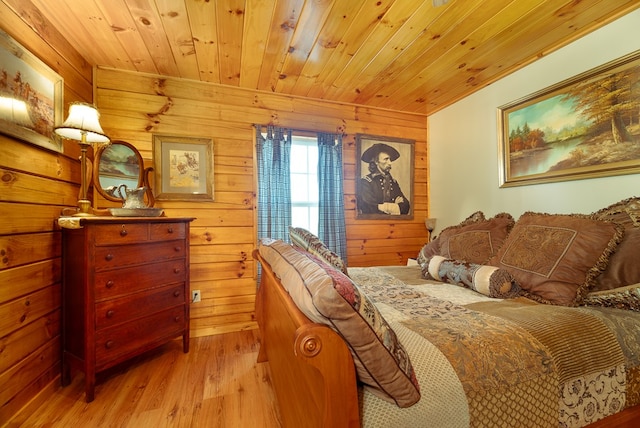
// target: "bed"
[[456, 343]]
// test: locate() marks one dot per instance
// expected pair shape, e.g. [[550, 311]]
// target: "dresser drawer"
[[138, 305], [117, 343], [120, 233], [167, 231], [113, 283], [138, 254]]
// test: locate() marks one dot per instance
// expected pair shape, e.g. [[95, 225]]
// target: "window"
[[304, 183]]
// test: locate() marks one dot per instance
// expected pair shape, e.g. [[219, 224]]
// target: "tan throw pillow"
[[488, 280], [556, 258], [475, 242], [624, 264], [327, 296], [306, 240]]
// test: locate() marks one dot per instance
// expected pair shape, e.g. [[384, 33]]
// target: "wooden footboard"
[[311, 366]]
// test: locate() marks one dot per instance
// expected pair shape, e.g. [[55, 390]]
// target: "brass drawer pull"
[[110, 313], [109, 344]]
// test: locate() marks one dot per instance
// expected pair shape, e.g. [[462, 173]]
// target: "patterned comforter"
[[502, 363]]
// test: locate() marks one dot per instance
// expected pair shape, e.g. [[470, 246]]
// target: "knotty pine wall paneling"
[[35, 185], [134, 106]]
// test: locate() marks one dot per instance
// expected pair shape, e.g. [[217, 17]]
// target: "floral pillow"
[[306, 240], [326, 295]]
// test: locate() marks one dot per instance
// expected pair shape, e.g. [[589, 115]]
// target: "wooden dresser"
[[125, 290]]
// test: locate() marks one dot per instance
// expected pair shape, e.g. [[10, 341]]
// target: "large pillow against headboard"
[[325, 295], [624, 264], [556, 258], [475, 240], [432, 248]]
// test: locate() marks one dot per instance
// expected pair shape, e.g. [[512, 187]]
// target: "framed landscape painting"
[[585, 127], [30, 96]]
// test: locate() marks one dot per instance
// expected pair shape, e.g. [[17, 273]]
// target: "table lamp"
[[83, 125], [430, 223]]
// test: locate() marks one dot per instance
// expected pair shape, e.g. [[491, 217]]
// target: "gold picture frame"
[[31, 96], [369, 187], [584, 127], [183, 168]]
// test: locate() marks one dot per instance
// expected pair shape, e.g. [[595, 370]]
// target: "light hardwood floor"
[[217, 384]]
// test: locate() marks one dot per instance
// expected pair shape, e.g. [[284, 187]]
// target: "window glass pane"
[[298, 158], [313, 159], [300, 217], [313, 188], [313, 220], [299, 188], [304, 183]]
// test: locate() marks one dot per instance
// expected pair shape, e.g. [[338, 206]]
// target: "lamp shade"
[[83, 119]]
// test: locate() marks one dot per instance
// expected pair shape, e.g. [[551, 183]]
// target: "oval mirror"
[[117, 164]]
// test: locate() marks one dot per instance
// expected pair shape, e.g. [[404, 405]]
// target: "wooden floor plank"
[[217, 384]]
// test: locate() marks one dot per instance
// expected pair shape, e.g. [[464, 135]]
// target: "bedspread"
[[489, 362]]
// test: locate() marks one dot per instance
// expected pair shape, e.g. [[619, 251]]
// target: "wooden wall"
[[135, 106], [35, 185]]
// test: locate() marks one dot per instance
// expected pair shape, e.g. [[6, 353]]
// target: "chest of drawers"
[[125, 291]]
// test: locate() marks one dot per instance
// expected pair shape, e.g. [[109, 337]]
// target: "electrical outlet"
[[195, 296]]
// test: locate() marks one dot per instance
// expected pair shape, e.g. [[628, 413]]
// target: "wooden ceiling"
[[406, 55]]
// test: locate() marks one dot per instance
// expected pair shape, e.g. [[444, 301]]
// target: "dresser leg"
[[90, 386], [185, 342], [65, 374]]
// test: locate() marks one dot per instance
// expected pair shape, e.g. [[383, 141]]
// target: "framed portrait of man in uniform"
[[384, 177]]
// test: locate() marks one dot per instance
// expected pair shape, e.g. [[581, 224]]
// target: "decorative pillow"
[[306, 240], [429, 250], [624, 264], [556, 258], [488, 280], [327, 296], [475, 242], [622, 298], [432, 248]]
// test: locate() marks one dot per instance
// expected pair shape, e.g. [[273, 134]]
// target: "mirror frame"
[[96, 170]]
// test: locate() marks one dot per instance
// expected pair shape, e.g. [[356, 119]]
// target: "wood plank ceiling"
[[406, 55]]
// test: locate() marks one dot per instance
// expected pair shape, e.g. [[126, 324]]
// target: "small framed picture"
[[183, 168], [385, 177]]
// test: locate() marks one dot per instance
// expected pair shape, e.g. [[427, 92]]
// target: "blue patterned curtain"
[[274, 186], [331, 223]]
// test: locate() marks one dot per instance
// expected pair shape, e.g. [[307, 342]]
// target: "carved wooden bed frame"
[[312, 370]]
